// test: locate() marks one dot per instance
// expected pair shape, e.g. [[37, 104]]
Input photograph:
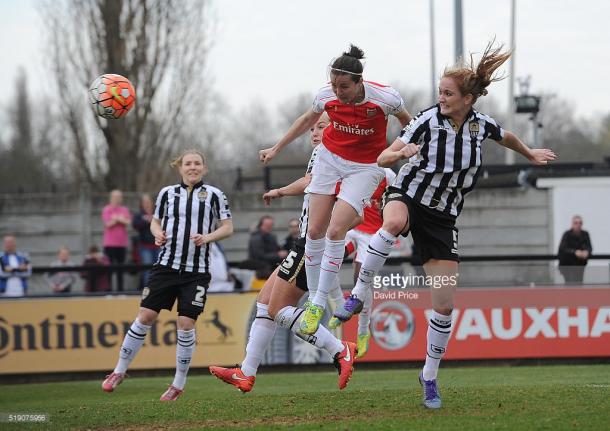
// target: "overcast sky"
[[274, 49]]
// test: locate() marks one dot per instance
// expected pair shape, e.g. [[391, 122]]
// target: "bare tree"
[[23, 165], [161, 46]]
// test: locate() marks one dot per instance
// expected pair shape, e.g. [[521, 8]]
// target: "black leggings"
[[117, 255]]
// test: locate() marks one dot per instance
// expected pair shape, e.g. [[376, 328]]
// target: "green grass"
[[486, 398]]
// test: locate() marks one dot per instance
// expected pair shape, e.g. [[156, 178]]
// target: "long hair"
[[474, 80]]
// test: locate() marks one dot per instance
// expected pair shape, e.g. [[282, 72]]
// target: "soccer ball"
[[112, 96]]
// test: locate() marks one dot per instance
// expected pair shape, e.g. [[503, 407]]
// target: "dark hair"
[[349, 63], [262, 219]]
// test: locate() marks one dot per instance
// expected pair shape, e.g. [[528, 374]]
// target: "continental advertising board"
[[85, 334]]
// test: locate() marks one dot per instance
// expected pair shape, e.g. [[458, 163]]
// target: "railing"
[[479, 270], [491, 175]]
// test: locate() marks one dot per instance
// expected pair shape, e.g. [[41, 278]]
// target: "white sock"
[[289, 317], [314, 248], [336, 294], [185, 346], [329, 269], [376, 254], [261, 335], [364, 318], [439, 331], [131, 345]]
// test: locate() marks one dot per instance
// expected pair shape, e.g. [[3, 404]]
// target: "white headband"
[[334, 69]]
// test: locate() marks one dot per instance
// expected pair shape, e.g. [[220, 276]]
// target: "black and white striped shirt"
[[183, 212], [448, 162], [305, 210]]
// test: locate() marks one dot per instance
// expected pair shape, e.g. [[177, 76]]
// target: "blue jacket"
[[23, 275]]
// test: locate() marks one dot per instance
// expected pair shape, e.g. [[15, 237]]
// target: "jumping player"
[[280, 294], [443, 148], [358, 111]]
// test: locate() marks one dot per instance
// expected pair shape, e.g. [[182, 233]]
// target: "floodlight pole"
[[459, 33]]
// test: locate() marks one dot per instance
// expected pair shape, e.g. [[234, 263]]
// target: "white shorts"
[[361, 242], [358, 180]]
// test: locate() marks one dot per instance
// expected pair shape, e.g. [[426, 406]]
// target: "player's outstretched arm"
[[295, 188], [537, 156], [300, 126], [395, 152]]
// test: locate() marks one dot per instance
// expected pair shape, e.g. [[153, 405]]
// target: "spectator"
[[147, 250], [574, 252], [61, 281], [293, 233], [116, 218], [97, 280], [15, 269], [264, 249]]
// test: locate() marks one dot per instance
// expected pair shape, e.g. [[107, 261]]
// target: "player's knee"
[[444, 310], [336, 233], [395, 225], [147, 317], [273, 310], [185, 323], [315, 232]]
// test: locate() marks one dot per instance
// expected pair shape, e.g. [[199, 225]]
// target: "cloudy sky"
[[275, 49]]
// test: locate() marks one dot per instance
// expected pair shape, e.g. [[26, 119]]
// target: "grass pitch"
[[484, 398]]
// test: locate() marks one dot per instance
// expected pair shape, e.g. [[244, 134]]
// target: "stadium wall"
[[494, 221]]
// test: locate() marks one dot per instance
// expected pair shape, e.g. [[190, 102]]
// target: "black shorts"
[[165, 285], [434, 233], [292, 268]]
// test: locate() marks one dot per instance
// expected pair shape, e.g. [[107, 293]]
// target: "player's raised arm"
[[537, 156], [300, 126], [295, 188]]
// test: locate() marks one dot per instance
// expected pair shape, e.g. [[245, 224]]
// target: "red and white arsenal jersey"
[[358, 132], [372, 213]]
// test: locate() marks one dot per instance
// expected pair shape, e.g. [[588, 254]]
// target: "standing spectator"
[[15, 269], [264, 249], [116, 218], [147, 250], [96, 280], [574, 252], [61, 281], [293, 234]]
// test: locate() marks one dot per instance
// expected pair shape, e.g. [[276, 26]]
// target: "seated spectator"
[[293, 234], [61, 281], [97, 280], [15, 269], [264, 249]]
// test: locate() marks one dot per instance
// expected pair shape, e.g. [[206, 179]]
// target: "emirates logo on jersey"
[[354, 130]]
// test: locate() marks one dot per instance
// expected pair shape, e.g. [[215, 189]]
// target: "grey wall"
[[494, 221]]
